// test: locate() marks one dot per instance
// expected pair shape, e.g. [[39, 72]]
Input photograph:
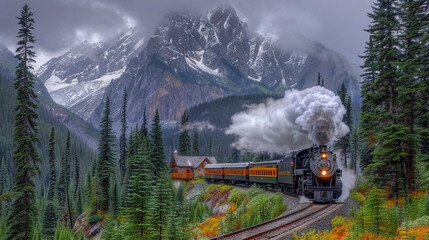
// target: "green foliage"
[[137, 213], [195, 144], [106, 161], [123, 137], [344, 142], [394, 91], [375, 212], [184, 139], [161, 207], [94, 218], [49, 220], [52, 168], [157, 156], [113, 230], [62, 232], [23, 213]]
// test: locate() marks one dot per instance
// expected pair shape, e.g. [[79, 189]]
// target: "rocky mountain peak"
[[189, 59]]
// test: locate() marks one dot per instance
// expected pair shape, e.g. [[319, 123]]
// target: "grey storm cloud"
[[338, 24]]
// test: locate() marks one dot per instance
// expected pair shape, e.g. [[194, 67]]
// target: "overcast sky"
[[337, 24]]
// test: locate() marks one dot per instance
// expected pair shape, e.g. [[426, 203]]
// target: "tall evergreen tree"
[[344, 142], [195, 143], [52, 168], [355, 146], [114, 202], [106, 161], [379, 110], [22, 215], [162, 207], [123, 137], [76, 174], [144, 124], [157, 155], [210, 150], [49, 220], [64, 183], [184, 138], [318, 79], [138, 214], [410, 97], [375, 212]]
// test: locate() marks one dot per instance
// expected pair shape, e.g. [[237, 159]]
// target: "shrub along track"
[[283, 225]]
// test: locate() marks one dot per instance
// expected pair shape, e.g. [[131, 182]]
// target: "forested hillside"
[[209, 121]]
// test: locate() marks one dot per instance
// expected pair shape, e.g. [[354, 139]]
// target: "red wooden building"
[[189, 167]]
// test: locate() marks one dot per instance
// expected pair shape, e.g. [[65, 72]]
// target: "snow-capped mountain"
[[194, 59], [187, 61], [77, 79]]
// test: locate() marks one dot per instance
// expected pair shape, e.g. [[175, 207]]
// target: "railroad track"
[[281, 225]]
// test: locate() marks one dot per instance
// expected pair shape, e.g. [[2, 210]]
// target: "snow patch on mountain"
[[55, 83], [200, 66], [71, 94]]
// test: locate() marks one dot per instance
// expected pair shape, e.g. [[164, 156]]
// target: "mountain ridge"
[[192, 59]]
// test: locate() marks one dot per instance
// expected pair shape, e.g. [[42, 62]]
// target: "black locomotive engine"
[[316, 174], [312, 172]]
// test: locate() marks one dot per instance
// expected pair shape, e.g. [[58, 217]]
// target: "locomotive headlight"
[[324, 172], [324, 155]]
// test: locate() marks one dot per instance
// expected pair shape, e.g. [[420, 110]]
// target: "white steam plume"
[[200, 126], [348, 177], [300, 118]]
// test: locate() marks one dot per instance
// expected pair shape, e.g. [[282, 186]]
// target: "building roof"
[[191, 161]]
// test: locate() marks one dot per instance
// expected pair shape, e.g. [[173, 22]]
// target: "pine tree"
[[144, 124], [161, 207], [114, 203], [157, 155], [375, 212], [138, 214], [123, 137], [184, 139], [379, 127], [318, 79], [195, 145], [409, 96], [344, 142], [49, 220], [23, 213], [76, 174], [78, 202], [52, 168], [210, 150], [355, 146], [64, 183], [106, 161]]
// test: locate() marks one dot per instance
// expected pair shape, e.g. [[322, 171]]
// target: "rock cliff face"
[[77, 79], [187, 61], [193, 59]]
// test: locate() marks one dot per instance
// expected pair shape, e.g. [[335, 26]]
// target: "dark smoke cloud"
[[299, 119], [62, 23]]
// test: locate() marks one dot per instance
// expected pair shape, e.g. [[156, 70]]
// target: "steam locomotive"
[[312, 172]]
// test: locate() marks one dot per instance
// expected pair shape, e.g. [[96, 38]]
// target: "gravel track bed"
[[278, 222], [322, 223]]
